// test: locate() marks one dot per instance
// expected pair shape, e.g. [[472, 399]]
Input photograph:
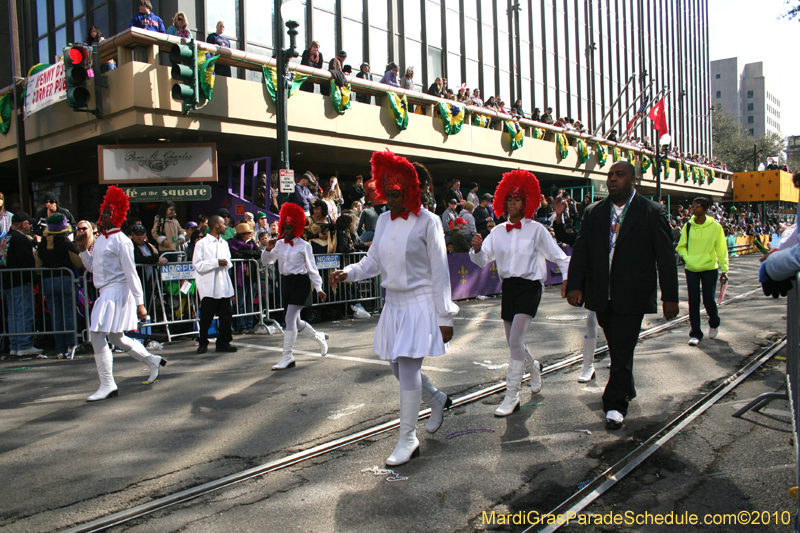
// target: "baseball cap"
[[22, 216], [191, 224], [460, 220], [487, 196], [138, 228]]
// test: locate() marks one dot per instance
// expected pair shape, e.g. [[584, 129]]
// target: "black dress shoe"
[[227, 349], [613, 424], [202, 348]]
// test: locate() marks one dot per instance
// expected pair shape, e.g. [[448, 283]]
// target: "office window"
[[719, 94], [226, 11], [750, 120], [435, 66], [378, 50], [717, 76], [353, 42], [752, 132], [259, 24], [379, 14], [749, 94], [750, 107], [325, 33], [412, 20], [433, 24]]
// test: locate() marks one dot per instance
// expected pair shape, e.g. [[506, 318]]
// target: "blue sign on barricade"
[[328, 261], [177, 271]]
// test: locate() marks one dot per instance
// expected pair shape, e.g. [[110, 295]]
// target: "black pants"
[[216, 306], [622, 334], [708, 279]]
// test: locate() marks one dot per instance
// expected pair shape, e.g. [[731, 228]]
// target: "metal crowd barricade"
[[31, 307]]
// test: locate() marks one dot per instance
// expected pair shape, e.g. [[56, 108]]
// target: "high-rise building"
[[750, 92], [575, 56]]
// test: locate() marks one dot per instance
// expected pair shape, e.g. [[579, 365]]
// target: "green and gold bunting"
[[701, 175], [271, 81], [602, 155], [399, 105], [452, 116], [538, 133], [679, 168], [617, 154], [711, 176], [630, 156], [562, 146], [5, 113], [646, 162], [583, 151], [205, 74], [340, 96], [482, 121], [666, 169], [516, 133], [689, 173]]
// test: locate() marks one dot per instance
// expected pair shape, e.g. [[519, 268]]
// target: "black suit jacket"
[[643, 253]]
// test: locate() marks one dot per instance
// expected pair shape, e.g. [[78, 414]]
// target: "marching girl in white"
[[409, 253], [521, 247], [121, 298], [299, 270]]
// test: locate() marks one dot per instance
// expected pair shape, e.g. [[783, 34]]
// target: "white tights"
[[99, 343], [515, 335], [408, 372], [591, 325], [293, 320]]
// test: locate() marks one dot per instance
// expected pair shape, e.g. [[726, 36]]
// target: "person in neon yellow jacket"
[[702, 247]]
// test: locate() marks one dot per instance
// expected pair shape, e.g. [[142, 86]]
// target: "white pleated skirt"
[[408, 326], [114, 310]]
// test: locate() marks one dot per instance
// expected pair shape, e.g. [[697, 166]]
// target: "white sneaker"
[[694, 341], [712, 333], [29, 351], [12, 352]]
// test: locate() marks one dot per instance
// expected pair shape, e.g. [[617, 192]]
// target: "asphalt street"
[[64, 461]]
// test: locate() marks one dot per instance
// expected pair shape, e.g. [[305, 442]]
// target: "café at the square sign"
[[157, 163]]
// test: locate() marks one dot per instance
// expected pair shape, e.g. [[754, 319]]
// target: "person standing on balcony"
[[299, 272], [180, 26], [311, 57], [417, 321], [146, 19], [167, 231], [521, 247], [121, 299], [364, 74], [390, 76], [547, 118], [219, 40]]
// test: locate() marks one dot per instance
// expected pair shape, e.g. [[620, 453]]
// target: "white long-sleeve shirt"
[[409, 254], [297, 258], [521, 253], [211, 279], [111, 263]]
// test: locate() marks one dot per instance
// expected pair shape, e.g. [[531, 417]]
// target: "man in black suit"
[[624, 243]]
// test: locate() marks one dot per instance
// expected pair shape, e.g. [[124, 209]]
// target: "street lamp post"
[[291, 12], [661, 156]]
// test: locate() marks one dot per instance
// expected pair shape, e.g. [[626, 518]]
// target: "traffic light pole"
[[16, 73], [281, 98]]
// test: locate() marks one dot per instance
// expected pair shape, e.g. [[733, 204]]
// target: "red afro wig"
[[369, 192], [117, 202], [394, 173], [518, 183], [293, 215]]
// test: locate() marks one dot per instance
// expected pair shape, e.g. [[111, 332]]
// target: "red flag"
[[659, 118]]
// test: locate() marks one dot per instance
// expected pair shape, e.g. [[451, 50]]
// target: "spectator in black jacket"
[[145, 253], [50, 208], [16, 251], [483, 215], [311, 58], [56, 251]]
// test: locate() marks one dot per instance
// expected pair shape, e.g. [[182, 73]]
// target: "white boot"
[[153, 362], [108, 389], [513, 379], [533, 367], [318, 336], [438, 402], [407, 444], [287, 359], [589, 345]]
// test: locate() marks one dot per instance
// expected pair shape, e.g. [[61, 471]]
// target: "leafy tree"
[[734, 147]]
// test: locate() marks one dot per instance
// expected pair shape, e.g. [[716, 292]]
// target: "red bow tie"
[[403, 214], [111, 232], [518, 225], [290, 242]]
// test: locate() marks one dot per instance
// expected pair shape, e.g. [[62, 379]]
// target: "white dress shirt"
[[297, 258], [211, 279], [521, 253], [409, 254], [111, 263]]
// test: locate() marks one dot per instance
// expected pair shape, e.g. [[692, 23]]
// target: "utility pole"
[[19, 109]]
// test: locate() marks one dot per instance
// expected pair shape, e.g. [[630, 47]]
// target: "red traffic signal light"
[[78, 55]]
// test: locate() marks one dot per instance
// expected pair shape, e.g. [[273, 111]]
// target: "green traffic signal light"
[[76, 60], [184, 70]]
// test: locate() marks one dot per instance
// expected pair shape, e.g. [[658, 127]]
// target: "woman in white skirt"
[[121, 298], [408, 252], [521, 248], [298, 272]]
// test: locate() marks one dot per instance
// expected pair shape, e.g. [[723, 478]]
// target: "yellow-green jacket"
[[706, 248]]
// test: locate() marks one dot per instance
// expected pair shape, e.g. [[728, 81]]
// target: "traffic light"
[[76, 63], [184, 69]]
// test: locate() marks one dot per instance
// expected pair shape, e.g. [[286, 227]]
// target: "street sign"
[[287, 180], [325, 262], [177, 271], [184, 193]]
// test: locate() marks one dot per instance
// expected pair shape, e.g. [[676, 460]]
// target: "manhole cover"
[[565, 318]]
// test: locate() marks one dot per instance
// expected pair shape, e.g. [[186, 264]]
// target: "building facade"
[[575, 56], [750, 92]]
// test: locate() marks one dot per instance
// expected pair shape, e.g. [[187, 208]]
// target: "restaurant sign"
[[157, 163], [175, 193]]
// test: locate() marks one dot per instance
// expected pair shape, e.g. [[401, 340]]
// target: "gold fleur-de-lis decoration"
[[441, 496]]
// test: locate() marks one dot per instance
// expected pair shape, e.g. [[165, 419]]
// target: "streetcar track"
[[192, 493]]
